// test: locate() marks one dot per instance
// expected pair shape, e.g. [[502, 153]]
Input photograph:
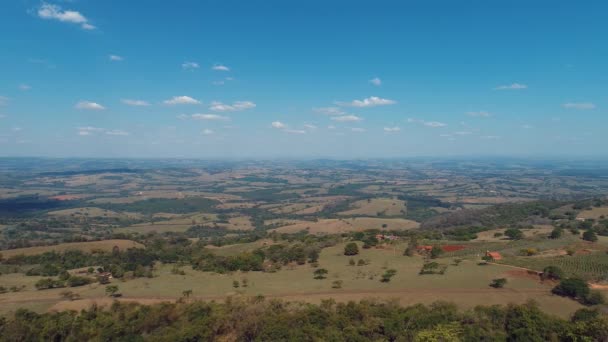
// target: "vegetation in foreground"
[[261, 320]]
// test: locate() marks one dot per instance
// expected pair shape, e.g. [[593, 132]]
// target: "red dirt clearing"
[[452, 248], [527, 274]]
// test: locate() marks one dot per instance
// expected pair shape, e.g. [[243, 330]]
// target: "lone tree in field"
[[553, 273], [320, 273], [556, 233], [112, 291], [498, 283], [186, 293], [590, 236], [386, 277], [514, 234], [436, 252], [351, 249], [572, 287]]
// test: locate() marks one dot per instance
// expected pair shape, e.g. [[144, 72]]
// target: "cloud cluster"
[[392, 129], [482, 114], [115, 58], [376, 81], [90, 130], [220, 67], [209, 117], [512, 86], [190, 65], [136, 103], [432, 124], [88, 105], [181, 100], [234, 107], [329, 110], [579, 105], [54, 12], [347, 118], [368, 102]]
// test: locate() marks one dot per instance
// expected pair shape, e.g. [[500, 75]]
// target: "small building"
[[493, 256]]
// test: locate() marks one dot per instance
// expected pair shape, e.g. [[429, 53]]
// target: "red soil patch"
[[583, 251], [452, 248]]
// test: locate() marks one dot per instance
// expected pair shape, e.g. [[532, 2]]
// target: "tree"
[[553, 273], [320, 273], [112, 291], [594, 298], [498, 283], [514, 234], [436, 252], [572, 287], [235, 284], [388, 274], [186, 293], [351, 262], [556, 233], [590, 235], [337, 284], [411, 246], [351, 249]]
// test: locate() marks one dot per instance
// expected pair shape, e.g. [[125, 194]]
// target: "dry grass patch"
[[377, 207], [88, 247]]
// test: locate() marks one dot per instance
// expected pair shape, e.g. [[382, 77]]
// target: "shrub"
[[436, 252], [388, 274], [498, 283], [572, 287], [320, 273], [594, 298], [75, 281], [514, 234], [556, 233], [351, 249], [552, 272], [337, 284], [590, 235]]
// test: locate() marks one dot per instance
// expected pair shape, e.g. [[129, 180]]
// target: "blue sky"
[[349, 79]]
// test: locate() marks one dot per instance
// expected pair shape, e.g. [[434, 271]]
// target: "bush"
[[320, 273], [556, 233], [594, 298], [498, 283], [514, 234], [75, 281], [49, 283], [351, 249], [386, 277], [436, 252], [552, 272], [337, 284], [590, 235], [572, 287]]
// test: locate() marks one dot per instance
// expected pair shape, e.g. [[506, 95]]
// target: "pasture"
[[88, 247]]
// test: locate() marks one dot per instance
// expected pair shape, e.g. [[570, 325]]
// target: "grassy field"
[[377, 207], [465, 284], [333, 226], [105, 245], [595, 213], [178, 223]]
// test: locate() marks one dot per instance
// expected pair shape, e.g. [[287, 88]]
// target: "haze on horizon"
[[346, 79]]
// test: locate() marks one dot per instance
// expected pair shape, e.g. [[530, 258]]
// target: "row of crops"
[[592, 266], [512, 248]]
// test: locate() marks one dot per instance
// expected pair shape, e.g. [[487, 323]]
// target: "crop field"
[[105, 245], [591, 266]]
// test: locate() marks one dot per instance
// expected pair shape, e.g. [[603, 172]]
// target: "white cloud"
[[392, 129], [235, 106], [368, 102], [512, 86], [179, 100], [3, 100], [463, 133], [481, 113], [376, 81], [433, 124], [347, 118], [309, 126], [278, 125], [88, 130], [115, 58], [358, 129], [526, 126], [54, 12], [190, 65], [331, 127], [220, 67], [87, 105], [210, 117], [208, 131], [183, 117], [490, 137], [294, 131], [579, 105], [329, 110], [24, 87], [117, 132], [136, 103]]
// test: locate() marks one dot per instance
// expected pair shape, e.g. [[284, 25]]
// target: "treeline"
[[495, 216], [262, 320], [164, 205]]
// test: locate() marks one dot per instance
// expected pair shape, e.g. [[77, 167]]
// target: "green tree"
[[556, 233], [514, 234], [388, 274], [436, 252], [498, 283], [572, 287], [112, 290], [590, 235], [320, 273], [351, 249], [552, 272]]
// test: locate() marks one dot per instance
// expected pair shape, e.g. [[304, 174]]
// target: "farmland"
[[241, 230]]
